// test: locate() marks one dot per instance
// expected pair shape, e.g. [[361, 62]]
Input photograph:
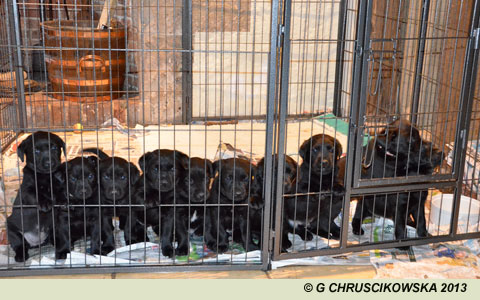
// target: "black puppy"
[[397, 151], [26, 228], [319, 195], [158, 189], [193, 192], [231, 195], [257, 199], [82, 217], [117, 180]]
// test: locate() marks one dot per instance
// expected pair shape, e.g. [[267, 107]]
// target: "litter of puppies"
[[179, 197]]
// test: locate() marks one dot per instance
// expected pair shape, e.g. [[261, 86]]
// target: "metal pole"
[[419, 62], [187, 61], [358, 92], [271, 97], [465, 114], [16, 42], [281, 129], [337, 96]]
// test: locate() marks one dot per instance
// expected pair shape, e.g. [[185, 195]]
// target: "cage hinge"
[[281, 35], [359, 50], [270, 240], [463, 137], [476, 36]]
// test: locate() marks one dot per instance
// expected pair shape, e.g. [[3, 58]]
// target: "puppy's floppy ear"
[[261, 165], [431, 154], [338, 149], [60, 174], [145, 159], [209, 166], [22, 148], [134, 173], [216, 167], [304, 150], [182, 158], [57, 140], [415, 136], [254, 172]]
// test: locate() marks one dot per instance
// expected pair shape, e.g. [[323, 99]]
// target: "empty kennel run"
[[247, 78]]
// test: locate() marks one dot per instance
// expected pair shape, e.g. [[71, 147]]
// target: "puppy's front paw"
[[182, 250], [61, 254], [308, 236], [149, 203], [95, 251], [167, 251], [252, 247], [44, 206], [338, 190], [357, 227], [20, 256], [286, 244], [220, 248], [107, 249], [256, 203]]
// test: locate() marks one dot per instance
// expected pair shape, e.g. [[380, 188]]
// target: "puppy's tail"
[[102, 155]]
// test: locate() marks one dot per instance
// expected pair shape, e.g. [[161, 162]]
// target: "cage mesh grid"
[[402, 58], [7, 81], [229, 52], [470, 182], [165, 66], [407, 50]]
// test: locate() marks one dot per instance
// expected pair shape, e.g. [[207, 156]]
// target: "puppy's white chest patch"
[[295, 223], [194, 217], [35, 238]]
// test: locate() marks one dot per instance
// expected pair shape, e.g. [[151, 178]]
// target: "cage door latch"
[[281, 35], [476, 36]]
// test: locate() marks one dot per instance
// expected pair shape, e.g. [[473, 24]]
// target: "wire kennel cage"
[[274, 87]]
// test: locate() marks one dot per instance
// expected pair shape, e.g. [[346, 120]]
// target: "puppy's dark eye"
[[155, 169], [106, 177], [90, 176], [37, 151], [123, 177], [73, 179], [315, 150], [172, 168], [54, 147]]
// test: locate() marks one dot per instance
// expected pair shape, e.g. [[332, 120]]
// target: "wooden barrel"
[[84, 63]]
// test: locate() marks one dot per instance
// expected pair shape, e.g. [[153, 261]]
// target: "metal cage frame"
[[277, 116]]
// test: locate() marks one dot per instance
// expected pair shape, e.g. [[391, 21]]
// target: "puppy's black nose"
[[238, 193], [114, 192], [46, 164], [200, 195], [325, 163]]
